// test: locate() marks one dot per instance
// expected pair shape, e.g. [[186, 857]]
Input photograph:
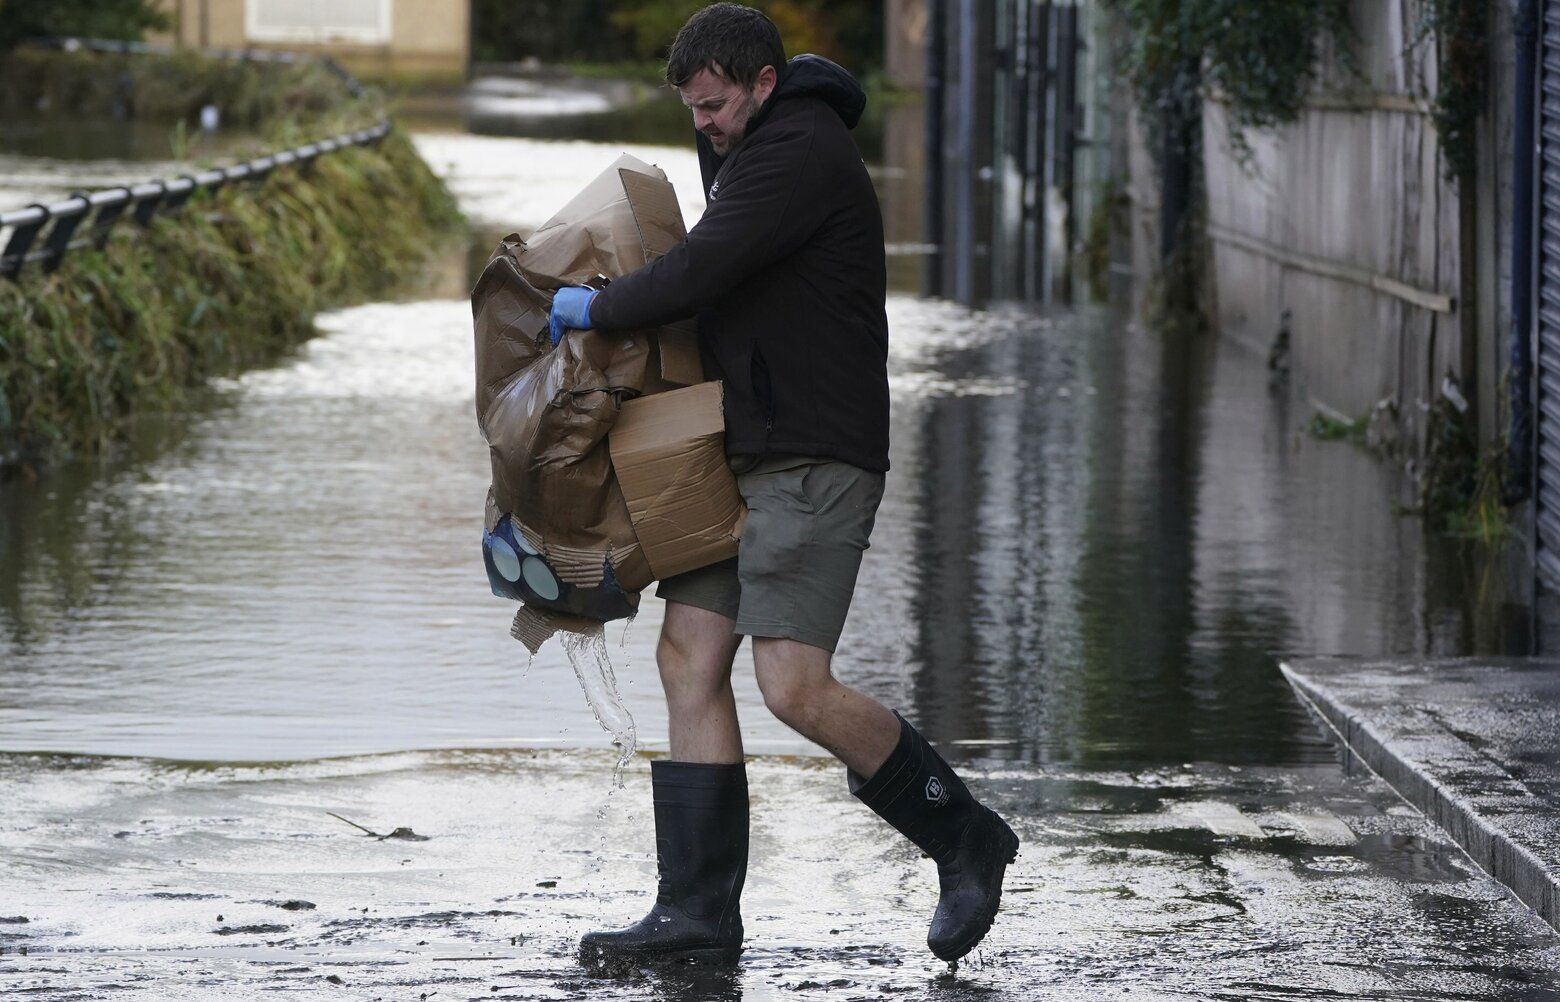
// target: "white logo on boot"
[[934, 790]]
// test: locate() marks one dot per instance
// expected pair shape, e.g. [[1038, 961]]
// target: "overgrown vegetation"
[[1461, 30], [1460, 488], [1261, 58], [1097, 234], [848, 31], [254, 95], [230, 280], [1482, 515], [123, 20], [1327, 428]]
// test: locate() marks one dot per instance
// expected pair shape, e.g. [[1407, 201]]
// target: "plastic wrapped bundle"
[[558, 533]]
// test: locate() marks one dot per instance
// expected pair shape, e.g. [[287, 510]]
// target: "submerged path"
[[1202, 882]]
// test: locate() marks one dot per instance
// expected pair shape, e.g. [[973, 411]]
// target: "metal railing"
[[43, 233], [86, 219]]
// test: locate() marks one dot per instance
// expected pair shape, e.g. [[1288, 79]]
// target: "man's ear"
[[765, 84]]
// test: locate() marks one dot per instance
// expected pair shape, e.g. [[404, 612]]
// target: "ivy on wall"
[[1461, 28], [1262, 58]]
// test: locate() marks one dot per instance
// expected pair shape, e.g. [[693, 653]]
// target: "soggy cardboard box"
[[669, 454], [566, 532]]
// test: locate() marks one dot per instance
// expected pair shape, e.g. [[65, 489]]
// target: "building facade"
[[398, 38]]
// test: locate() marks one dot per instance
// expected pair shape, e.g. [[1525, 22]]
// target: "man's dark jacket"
[[785, 272]]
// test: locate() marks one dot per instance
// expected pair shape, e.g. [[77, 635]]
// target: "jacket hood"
[[814, 76]]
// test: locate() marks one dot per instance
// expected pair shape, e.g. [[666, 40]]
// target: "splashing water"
[[587, 652]]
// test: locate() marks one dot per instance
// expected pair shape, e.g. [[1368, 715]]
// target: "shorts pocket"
[[792, 485], [824, 487], [837, 489]]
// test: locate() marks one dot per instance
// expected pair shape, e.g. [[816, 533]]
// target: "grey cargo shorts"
[[795, 569]]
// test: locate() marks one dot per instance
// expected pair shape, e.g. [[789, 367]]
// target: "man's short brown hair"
[[731, 40]]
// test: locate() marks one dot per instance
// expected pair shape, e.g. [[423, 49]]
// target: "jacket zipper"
[[758, 364]]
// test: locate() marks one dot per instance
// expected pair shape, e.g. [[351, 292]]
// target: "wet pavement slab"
[[1474, 743], [163, 880]]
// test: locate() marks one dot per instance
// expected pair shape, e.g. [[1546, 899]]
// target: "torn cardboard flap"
[[669, 455], [675, 359], [592, 235], [534, 627], [677, 354], [657, 215]]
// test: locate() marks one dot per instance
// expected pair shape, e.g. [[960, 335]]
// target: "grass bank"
[[231, 280], [257, 95]]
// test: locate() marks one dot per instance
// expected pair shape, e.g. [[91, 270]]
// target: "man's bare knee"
[[788, 700], [689, 672], [695, 652], [794, 680]]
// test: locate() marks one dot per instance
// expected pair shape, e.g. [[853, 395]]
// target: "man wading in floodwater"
[[786, 274]]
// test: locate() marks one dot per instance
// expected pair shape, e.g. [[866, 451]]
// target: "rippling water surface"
[[1090, 545]]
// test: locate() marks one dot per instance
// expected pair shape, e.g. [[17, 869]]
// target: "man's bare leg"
[[798, 688], [694, 656], [903, 780], [701, 805]]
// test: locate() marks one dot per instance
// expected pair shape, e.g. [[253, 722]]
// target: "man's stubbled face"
[[722, 108]]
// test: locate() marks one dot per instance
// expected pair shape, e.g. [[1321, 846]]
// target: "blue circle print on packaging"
[[516, 570]]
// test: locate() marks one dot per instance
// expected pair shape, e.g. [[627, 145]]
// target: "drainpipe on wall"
[[1519, 483], [936, 66], [1180, 112]]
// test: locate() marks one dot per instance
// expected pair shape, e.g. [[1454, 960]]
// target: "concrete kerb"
[[1485, 840]]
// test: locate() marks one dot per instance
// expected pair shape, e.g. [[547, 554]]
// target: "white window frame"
[[254, 32]]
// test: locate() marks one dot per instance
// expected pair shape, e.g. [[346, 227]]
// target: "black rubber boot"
[[917, 793], [701, 850]]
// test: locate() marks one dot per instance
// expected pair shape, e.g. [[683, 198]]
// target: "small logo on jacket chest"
[[714, 189]]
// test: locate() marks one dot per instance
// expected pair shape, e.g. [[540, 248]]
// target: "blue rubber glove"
[[570, 309]]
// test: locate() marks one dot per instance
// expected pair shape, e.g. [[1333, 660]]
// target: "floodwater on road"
[[1191, 882], [1093, 541]]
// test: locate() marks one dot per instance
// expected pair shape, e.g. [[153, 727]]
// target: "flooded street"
[[1191, 882], [1093, 542]]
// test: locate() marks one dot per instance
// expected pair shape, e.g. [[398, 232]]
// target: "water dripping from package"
[[587, 652], [623, 641], [628, 659]]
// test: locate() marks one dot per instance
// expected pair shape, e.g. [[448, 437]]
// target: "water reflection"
[[1114, 530]]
